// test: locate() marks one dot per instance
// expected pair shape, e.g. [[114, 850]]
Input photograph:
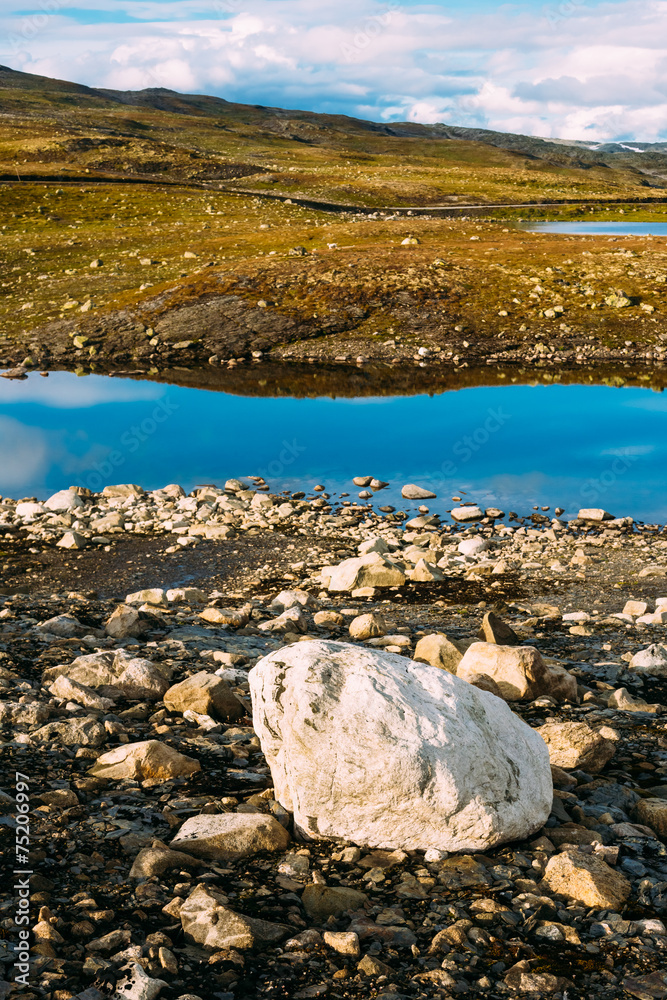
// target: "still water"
[[601, 228], [509, 446]]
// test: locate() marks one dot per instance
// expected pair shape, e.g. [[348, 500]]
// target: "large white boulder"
[[382, 751]]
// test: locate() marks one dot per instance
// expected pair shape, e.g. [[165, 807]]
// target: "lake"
[[513, 446], [600, 228]]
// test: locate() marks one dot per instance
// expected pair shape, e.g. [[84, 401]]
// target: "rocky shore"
[[445, 295], [186, 842]]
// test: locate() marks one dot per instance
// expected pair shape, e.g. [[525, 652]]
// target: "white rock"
[[658, 617], [207, 921], [473, 546], [138, 985], [150, 761], [64, 500], [287, 599], [153, 595], [29, 510], [70, 690], [72, 540], [186, 595], [229, 836], [652, 660], [467, 513], [372, 545], [594, 514], [372, 570], [376, 749], [413, 492]]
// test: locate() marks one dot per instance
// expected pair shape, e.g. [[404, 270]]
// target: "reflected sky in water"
[[601, 228], [510, 446]]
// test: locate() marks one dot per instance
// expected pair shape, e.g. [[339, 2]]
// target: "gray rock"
[[652, 660], [412, 492], [208, 921], [87, 732], [228, 836]]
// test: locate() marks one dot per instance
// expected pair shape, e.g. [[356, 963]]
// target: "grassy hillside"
[[54, 129], [112, 199]]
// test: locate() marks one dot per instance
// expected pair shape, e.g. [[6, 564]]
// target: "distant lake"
[[600, 228], [512, 446]]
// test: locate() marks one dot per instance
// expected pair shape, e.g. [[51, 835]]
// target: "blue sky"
[[570, 69]]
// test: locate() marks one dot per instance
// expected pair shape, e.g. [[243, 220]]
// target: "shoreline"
[[105, 867]]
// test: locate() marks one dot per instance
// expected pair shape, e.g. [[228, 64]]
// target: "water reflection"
[[511, 446]]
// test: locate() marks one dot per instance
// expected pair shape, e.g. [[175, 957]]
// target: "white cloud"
[[597, 73], [62, 390], [23, 455]]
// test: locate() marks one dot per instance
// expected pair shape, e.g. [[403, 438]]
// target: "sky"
[[575, 69]]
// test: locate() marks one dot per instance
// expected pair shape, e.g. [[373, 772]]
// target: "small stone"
[[86, 732], [126, 622], [69, 690], [153, 595], [439, 651], [229, 836], [653, 813], [465, 514], [150, 762], [368, 626], [371, 966], [576, 745], [64, 500], [344, 942], [519, 672], [635, 608], [413, 492], [72, 540], [651, 661], [138, 985], [206, 694], [372, 570], [209, 922], [586, 879], [158, 860], [594, 514], [322, 901], [493, 629], [225, 616]]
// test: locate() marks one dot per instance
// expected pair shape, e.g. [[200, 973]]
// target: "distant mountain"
[[163, 123]]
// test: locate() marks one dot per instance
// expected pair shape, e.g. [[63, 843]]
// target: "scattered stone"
[[439, 651], [652, 660], [576, 745], [209, 922], [594, 514], [466, 514], [322, 901], [372, 570], [586, 879], [206, 694], [493, 629], [413, 492], [520, 673], [150, 762], [229, 836], [367, 627]]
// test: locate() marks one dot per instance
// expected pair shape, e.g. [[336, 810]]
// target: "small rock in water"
[[413, 492], [594, 514], [465, 514]]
